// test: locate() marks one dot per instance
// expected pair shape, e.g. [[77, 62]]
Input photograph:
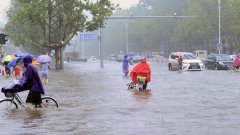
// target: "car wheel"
[[216, 67], [206, 67]]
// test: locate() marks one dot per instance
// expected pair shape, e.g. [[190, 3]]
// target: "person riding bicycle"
[[141, 70], [30, 81]]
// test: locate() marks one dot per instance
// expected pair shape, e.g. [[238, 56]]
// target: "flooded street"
[[95, 101]]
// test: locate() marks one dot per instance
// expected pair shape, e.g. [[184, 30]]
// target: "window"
[[174, 56]]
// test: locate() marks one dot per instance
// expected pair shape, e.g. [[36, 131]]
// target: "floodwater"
[[95, 101]]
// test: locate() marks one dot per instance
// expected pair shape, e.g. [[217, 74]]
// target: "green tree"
[[51, 24]]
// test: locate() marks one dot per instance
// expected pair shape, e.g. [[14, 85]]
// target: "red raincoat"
[[141, 69], [236, 62]]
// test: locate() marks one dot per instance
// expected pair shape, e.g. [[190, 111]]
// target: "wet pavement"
[[95, 101]]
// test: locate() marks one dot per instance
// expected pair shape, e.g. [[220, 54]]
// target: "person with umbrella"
[[17, 70], [44, 71], [44, 62], [125, 65], [180, 62], [5, 60]]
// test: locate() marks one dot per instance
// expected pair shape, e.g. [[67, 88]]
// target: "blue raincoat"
[[125, 64], [31, 80]]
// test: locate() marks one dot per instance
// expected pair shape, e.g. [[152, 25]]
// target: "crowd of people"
[[18, 69]]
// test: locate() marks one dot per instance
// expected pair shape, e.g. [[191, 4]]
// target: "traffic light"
[[3, 38]]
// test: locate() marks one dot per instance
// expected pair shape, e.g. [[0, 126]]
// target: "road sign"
[[219, 45], [88, 37]]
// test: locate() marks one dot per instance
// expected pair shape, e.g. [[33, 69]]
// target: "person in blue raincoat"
[[30, 81], [125, 65]]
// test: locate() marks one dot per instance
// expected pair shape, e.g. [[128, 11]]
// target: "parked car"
[[233, 57], [190, 62], [201, 54], [137, 58], [120, 57], [219, 62], [113, 57], [92, 58]]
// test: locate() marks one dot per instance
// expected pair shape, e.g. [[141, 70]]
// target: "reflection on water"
[[95, 101], [33, 118], [142, 96]]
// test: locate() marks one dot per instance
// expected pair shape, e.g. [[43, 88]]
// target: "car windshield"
[[223, 58], [188, 57]]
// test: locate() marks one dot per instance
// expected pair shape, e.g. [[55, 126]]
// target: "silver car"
[[190, 62]]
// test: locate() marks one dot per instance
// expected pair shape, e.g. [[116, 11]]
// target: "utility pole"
[[219, 46], [100, 46]]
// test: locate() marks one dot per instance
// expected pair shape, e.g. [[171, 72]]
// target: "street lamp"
[[219, 27], [126, 22]]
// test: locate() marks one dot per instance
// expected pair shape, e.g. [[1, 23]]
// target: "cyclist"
[[141, 70], [31, 81]]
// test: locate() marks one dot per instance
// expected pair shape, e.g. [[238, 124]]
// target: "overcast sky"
[[4, 4]]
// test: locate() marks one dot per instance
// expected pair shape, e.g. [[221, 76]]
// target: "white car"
[[233, 57], [190, 62], [93, 58]]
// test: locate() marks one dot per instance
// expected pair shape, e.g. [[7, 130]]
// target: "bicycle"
[[139, 86], [13, 101]]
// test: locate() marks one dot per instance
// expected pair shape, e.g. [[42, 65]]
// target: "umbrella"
[[24, 55], [131, 54], [179, 54], [43, 58], [35, 63], [19, 58], [7, 58], [13, 62]]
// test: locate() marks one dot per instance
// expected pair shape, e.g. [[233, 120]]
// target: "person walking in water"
[[180, 62], [125, 65], [17, 70], [44, 72], [141, 70]]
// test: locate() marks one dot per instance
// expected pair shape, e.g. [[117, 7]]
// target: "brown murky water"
[[95, 101]]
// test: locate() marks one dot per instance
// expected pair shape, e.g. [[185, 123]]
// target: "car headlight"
[[221, 63]]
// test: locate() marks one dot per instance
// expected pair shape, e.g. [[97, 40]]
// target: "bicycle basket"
[[141, 79], [8, 95]]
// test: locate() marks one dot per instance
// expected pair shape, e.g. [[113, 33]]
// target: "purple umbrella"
[[43, 59], [130, 54]]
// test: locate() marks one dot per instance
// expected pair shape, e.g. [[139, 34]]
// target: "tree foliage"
[[50, 24]]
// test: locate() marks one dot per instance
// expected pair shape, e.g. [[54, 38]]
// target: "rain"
[[144, 67]]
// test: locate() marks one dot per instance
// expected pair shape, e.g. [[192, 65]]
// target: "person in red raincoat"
[[141, 69], [180, 62]]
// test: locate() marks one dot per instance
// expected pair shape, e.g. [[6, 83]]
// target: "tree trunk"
[[57, 59]]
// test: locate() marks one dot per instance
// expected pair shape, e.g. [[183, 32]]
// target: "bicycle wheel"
[[49, 102], [8, 104]]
